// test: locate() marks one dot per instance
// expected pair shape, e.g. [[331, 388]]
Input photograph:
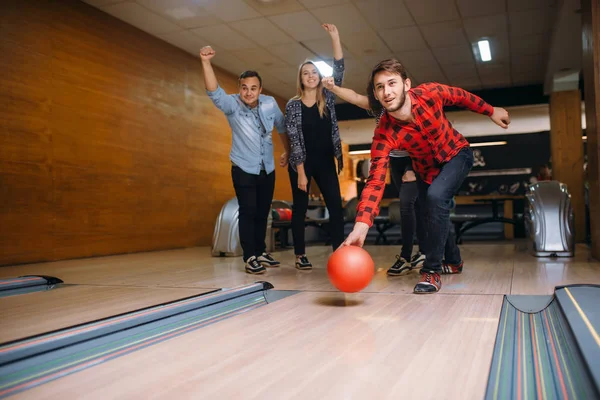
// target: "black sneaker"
[[302, 262], [254, 267], [417, 260], [400, 267], [267, 260], [431, 282]]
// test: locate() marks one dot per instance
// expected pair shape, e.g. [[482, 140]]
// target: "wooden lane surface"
[[34, 313], [312, 345], [541, 275], [489, 271], [490, 268]]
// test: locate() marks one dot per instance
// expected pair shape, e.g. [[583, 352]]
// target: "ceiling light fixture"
[[357, 152], [484, 144], [325, 69], [484, 50]]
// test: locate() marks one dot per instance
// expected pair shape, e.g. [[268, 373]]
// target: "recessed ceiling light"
[[484, 50], [324, 68]]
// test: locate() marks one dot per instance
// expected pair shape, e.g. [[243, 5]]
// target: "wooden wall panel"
[[26, 210], [26, 187], [108, 141], [566, 147], [591, 77]]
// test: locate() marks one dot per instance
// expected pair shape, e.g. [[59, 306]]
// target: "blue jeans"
[[436, 200]]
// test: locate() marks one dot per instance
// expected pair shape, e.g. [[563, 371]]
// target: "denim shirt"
[[252, 142]]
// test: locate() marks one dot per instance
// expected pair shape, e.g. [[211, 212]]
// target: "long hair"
[[300, 89], [390, 65]]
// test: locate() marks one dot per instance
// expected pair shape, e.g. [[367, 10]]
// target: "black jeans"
[[254, 194], [325, 175], [436, 199], [409, 207]]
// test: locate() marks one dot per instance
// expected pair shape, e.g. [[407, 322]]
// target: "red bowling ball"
[[350, 269]]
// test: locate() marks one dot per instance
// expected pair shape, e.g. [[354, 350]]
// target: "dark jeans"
[[254, 194], [409, 207], [436, 199], [325, 175]]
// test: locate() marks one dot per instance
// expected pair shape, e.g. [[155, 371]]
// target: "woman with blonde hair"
[[312, 145]]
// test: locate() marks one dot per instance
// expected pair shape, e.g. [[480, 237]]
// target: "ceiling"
[[435, 39]]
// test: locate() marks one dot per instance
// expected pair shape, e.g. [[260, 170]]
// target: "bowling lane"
[[34, 313], [312, 345]]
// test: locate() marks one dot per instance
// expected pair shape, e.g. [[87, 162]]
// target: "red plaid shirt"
[[430, 140]]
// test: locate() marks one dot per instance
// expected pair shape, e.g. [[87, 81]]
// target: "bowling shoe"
[[417, 260], [401, 266], [302, 262], [267, 260], [254, 267], [451, 268], [431, 282]]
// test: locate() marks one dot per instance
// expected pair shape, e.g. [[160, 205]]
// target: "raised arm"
[[210, 80], [346, 94], [221, 100], [338, 54]]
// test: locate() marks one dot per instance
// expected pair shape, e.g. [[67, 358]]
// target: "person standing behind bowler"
[[313, 148], [251, 117]]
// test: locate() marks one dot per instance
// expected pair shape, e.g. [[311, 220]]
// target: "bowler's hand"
[[500, 117], [357, 236]]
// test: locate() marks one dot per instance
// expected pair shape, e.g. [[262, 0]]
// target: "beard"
[[400, 103]]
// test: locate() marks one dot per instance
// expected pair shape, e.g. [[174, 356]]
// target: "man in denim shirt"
[[251, 117]]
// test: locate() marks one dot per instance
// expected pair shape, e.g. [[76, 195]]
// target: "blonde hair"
[[300, 89]]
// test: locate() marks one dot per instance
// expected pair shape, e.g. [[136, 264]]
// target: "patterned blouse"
[[293, 122]]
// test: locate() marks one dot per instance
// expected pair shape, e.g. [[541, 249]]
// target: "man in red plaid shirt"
[[414, 121]]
